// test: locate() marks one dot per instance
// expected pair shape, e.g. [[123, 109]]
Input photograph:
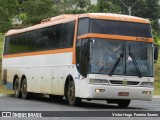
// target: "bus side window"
[[7, 45], [67, 34], [83, 26], [53, 33]]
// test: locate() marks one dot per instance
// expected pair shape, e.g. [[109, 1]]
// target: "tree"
[[81, 4], [72, 6], [149, 9], [8, 9], [104, 7], [33, 11]]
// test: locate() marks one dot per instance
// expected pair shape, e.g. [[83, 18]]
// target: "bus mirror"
[[155, 53]]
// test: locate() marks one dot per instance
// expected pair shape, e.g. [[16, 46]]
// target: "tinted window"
[[68, 34], [120, 28], [53, 37], [83, 26]]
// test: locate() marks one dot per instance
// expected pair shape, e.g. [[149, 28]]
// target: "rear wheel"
[[123, 103], [72, 100], [17, 91], [25, 94]]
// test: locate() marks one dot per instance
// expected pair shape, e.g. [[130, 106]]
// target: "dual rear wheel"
[[20, 90]]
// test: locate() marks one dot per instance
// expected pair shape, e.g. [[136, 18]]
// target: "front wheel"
[[123, 103], [25, 94], [72, 100]]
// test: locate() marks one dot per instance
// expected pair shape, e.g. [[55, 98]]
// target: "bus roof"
[[71, 17], [116, 17]]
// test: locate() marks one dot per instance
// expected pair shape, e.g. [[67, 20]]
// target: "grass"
[[157, 77], [156, 66]]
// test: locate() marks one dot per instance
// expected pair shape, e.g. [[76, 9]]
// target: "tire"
[[123, 103], [17, 91], [24, 93], [55, 97], [71, 99]]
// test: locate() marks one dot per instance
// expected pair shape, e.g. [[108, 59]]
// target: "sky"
[[93, 1]]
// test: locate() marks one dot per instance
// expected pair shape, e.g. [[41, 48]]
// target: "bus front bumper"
[[116, 92]]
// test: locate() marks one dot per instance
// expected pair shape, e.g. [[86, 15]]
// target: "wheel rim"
[[71, 94], [16, 88], [24, 88]]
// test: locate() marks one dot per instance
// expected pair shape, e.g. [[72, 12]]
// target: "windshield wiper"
[[116, 64], [101, 68], [135, 63]]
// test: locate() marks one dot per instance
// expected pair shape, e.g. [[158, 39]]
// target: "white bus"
[[87, 56]]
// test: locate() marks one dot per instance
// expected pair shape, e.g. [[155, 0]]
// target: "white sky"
[[93, 1]]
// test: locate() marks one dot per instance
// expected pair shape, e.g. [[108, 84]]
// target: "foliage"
[[8, 9], [104, 7], [157, 76], [82, 4], [33, 11]]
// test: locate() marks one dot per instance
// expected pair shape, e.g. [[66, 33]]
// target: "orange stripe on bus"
[[39, 53], [116, 37]]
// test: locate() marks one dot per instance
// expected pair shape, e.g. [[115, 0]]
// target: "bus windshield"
[[117, 57]]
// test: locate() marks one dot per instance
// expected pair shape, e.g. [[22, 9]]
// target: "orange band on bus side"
[[116, 37], [40, 53]]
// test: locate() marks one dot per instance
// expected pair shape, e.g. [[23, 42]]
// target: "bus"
[[92, 56]]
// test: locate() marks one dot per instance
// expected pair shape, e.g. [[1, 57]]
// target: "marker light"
[[146, 92], [99, 90]]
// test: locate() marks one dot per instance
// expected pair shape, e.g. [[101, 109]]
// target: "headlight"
[[147, 84], [98, 81]]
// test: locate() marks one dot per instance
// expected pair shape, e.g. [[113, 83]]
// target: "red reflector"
[[123, 94]]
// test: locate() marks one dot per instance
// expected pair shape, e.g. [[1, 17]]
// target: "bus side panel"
[[12, 65], [39, 80], [38, 74], [57, 80], [45, 79], [10, 77], [44, 73], [59, 63], [34, 82]]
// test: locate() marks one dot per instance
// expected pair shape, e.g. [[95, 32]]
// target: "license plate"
[[123, 94]]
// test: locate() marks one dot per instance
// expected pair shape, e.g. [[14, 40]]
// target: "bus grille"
[[119, 82]]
